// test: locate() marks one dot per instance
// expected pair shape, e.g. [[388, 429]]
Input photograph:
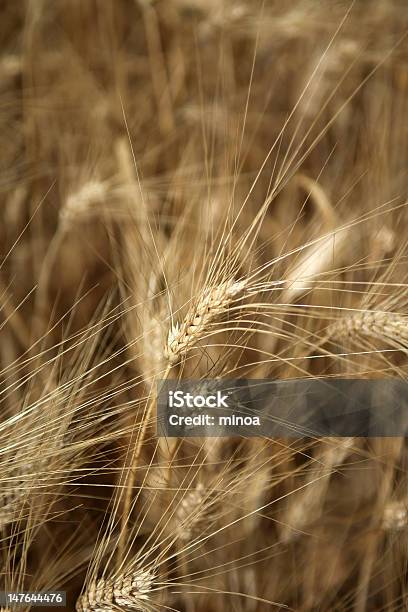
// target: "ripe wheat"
[[128, 592], [211, 306]]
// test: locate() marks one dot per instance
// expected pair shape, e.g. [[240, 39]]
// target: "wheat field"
[[199, 189]]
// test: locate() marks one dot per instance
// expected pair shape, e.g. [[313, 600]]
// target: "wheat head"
[[213, 304], [130, 592]]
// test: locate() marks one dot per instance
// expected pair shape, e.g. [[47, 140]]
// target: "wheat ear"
[[87, 200], [129, 592], [190, 514], [326, 254], [10, 505], [213, 304], [395, 517], [303, 507], [376, 324], [78, 205]]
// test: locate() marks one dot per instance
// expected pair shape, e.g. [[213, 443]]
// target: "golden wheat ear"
[[305, 506], [395, 517], [387, 326], [213, 303], [129, 591]]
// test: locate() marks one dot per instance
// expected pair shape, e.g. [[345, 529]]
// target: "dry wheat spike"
[[376, 324], [130, 592], [213, 303]]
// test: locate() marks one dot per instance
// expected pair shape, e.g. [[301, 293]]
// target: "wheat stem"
[[131, 475]]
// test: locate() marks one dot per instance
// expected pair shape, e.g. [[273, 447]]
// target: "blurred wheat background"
[[199, 189]]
